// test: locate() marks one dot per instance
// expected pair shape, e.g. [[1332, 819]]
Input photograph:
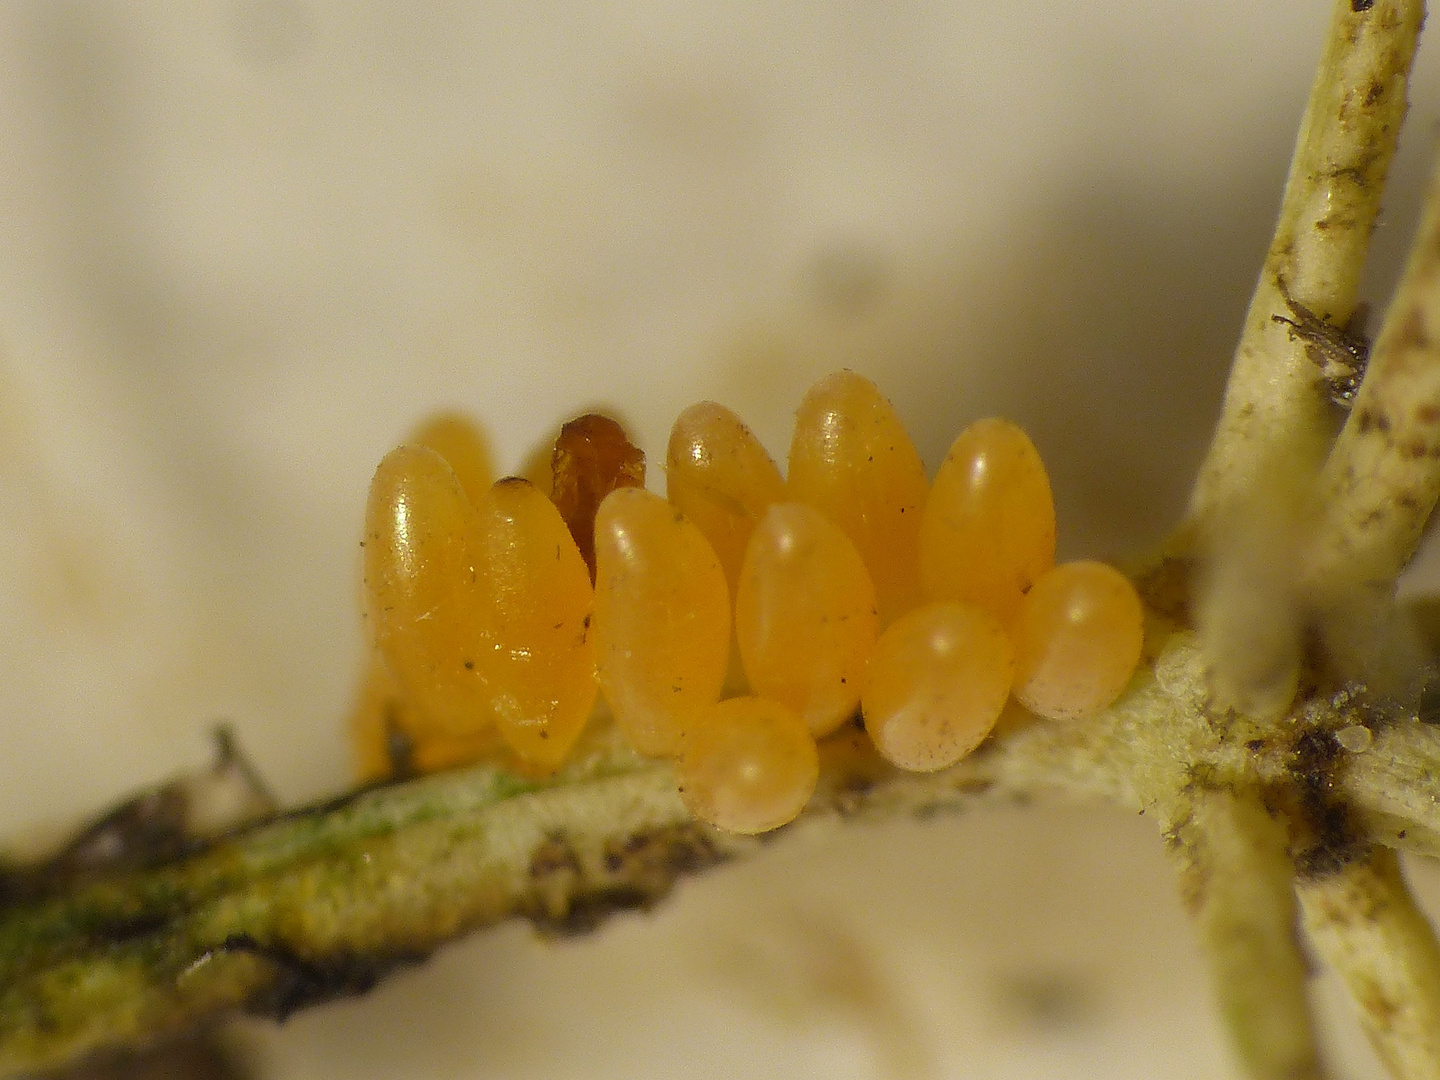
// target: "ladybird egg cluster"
[[733, 623]]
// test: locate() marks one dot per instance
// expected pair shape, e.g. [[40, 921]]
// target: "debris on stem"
[[1383, 476]]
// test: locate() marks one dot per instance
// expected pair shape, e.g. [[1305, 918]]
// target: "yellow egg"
[[721, 478], [462, 444], [1078, 637], [481, 613], [748, 765], [988, 530], [852, 460], [936, 685], [662, 618], [537, 609], [423, 600], [805, 616]]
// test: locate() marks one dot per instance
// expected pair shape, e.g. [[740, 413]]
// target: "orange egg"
[[662, 610], [1078, 637], [748, 765], [481, 613], [423, 600], [805, 616], [936, 685], [852, 459], [462, 444], [988, 530], [537, 608], [721, 478], [487, 627]]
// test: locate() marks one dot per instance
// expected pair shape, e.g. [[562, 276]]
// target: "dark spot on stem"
[[1412, 333], [1328, 836], [574, 898], [1369, 419], [302, 981]]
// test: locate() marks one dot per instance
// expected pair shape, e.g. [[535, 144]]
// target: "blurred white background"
[[245, 245]]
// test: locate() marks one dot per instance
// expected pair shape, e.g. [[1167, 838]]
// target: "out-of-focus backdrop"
[[245, 245]]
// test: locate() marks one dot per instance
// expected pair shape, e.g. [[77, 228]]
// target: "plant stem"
[[1274, 415], [1235, 876], [1364, 923], [1383, 476], [322, 902], [1254, 498]]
